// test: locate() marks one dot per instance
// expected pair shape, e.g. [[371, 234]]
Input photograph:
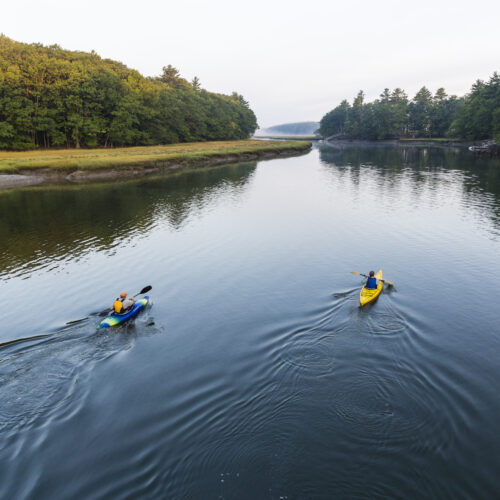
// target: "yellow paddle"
[[390, 283]]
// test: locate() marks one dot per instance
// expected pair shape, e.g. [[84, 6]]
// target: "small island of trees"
[[475, 116]]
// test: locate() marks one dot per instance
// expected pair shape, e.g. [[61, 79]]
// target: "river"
[[255, 374]]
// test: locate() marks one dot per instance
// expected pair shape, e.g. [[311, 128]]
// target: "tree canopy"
[[55, 97], [475, 116]]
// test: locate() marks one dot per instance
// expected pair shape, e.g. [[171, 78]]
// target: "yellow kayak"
[[366, 296]]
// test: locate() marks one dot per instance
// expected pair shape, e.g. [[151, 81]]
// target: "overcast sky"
[[292, 60]]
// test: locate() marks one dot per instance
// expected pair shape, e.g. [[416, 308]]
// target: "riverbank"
[[403, 142], [476, 147], [291, 137], [81, 165]]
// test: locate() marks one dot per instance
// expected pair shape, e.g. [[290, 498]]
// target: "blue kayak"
[[115, 319]]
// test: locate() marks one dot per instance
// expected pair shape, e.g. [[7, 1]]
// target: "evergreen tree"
[[420, 112], [334, 121], [195, 83], [355, 116]]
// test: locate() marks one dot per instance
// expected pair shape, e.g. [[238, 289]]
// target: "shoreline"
[[455, 143], [493, 151], [400, 142], [51, 167], [290, 137]]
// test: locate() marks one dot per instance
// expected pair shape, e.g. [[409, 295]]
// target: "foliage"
[[54, 97], [475, 116], [481, 109], [334, 121]]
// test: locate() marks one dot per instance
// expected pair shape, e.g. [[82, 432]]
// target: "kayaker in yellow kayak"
[[371, 282], [122, 304], [371, 290]]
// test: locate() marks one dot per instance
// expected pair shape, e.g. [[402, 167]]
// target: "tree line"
[[51, 97], [475, 116]]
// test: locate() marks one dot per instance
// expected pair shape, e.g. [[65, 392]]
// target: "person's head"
[[123, 295], [372, 274]]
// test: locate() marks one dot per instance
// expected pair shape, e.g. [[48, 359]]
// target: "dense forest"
[[54, 97], [473, 117]]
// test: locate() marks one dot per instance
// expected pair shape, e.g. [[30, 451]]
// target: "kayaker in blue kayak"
[[371, 282], [122, 304]]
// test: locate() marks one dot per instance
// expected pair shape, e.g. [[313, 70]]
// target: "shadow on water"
[[40, 225]]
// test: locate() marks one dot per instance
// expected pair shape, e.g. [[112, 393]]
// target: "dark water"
[[255, 375]]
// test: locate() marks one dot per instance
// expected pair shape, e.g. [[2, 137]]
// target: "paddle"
[[390, 283], [144, 290]]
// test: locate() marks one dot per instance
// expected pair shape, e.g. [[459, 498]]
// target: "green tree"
[[420, 113], [195, 83], [391, 114], [333, 122], [355, 116], [496, 124], [172, 78]]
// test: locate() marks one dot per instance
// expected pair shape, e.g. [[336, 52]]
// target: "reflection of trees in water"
[[393, 165], [179, 196], [38, 225]]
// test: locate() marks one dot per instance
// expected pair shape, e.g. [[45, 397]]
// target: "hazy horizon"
[[292, 64]]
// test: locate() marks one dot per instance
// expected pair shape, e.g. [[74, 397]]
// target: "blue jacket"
[[371, 283]]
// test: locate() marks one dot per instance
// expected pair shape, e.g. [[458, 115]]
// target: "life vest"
[[371, 283], [118, 306]]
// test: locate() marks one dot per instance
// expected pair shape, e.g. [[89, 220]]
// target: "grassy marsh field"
[[137, 158]]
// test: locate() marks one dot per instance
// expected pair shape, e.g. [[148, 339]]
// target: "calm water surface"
[[255, 375]]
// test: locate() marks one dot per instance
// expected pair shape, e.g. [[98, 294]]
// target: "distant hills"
[[298, 128]]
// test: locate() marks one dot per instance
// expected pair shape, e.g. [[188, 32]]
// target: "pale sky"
[[292, 60]]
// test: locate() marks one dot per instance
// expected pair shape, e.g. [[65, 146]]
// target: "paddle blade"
[[145, 290], [388, 283]]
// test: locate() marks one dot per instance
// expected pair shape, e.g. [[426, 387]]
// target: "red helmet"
[[123, 295]]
